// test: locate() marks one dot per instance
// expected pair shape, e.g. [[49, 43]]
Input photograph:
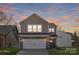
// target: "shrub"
[[9, 51]]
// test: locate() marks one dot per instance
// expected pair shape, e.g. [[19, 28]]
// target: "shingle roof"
[[53, 24], [33, 16], [4, 29], [36, 16]]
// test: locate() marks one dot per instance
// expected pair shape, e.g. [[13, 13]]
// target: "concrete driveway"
[[33, 52]]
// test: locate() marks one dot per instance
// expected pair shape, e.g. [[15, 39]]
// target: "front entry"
[[34, 43]]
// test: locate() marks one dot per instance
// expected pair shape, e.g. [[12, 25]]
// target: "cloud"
[[77, 20], [6, 8], [10, 9], [49, 10], [76, 28], [51, 20], [65, 17], [14, 11], [77, 8], [70, 30], [22, 18]]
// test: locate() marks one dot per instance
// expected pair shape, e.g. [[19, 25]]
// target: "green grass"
[[63, 51], [9, 51]]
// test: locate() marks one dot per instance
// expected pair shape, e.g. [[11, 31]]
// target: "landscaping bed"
[[9, 51], [63, 51]]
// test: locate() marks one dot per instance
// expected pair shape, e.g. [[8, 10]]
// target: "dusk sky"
[[65, 15]]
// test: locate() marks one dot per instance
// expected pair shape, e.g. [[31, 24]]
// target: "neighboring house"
[[63, 39], [8, 36], [37, 33]]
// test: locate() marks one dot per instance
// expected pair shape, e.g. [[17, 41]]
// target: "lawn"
[[9, 51], [63, 51]]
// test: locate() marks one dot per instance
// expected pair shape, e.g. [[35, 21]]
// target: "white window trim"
[[39, 28], [50, 29], [28, 28], [36, 28]]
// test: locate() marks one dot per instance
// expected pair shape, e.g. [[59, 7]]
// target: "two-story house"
[[37, 33]]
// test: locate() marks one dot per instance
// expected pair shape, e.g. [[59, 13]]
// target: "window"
[[39, 28], [51, 29], [29, 28], [34, 28]]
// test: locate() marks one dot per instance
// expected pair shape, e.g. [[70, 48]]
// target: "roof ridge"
[[34, 14]]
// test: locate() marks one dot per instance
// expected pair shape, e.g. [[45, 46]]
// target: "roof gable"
[[4, 29], [33, 16], [52, 24]]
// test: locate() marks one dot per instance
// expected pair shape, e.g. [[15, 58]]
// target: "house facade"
[[37, 33], [8, 36]]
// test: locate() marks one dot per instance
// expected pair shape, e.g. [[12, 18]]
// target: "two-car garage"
[[34, 43]]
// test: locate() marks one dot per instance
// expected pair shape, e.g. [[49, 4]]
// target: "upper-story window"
[[34, 28], [39, 28], [51, 29], [29, 28]]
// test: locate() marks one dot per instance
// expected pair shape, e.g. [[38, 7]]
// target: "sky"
[[64, 15]]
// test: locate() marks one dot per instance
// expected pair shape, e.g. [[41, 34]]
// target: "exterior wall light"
[[50, 41]]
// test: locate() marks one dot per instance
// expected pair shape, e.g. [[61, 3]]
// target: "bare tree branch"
[[5, 19]]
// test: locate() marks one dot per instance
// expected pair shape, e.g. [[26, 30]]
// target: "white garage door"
[[34, 43]]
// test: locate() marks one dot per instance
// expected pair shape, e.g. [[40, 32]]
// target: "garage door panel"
[[34, 43]]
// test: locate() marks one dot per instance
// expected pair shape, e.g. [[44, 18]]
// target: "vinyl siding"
[[36, 22], [63, 39]]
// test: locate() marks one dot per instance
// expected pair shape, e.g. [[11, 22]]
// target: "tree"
[[2, 16], [6, 19], [75, 38]]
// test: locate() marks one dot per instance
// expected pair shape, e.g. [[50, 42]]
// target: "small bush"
[[9, 51], [64, 51]]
